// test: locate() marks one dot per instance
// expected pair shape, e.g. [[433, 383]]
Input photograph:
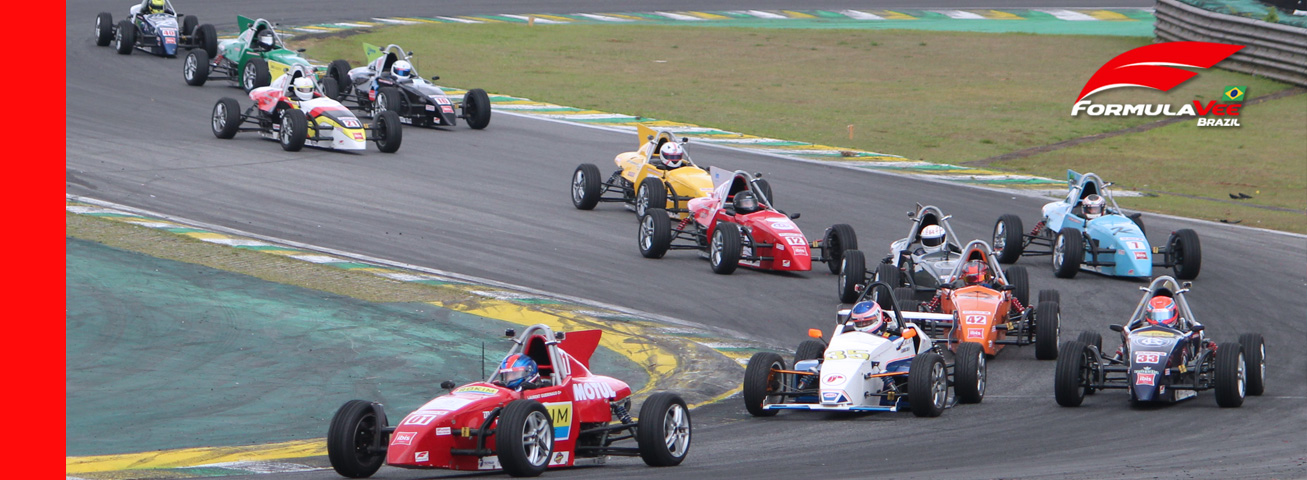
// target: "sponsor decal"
[[1151, 342], [800, 250], [561, 414], [1153, 334], [447, 109], [976, 333], [403, 438], [444, 431], [488, 463], [976, 319], [477, 389], [446, 404], [1141, 255], [830, 397], [169, 40], [415, 419], [1153, 66], [547, 394], [431, 108], [358, 136], [785, 224], [835, 379], [421, 456], [785, 263], [1148, 357], [1145, 378], [559, 459], [592, 391]]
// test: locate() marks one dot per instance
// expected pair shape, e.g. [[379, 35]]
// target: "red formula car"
[[737, 225], [567, 417]]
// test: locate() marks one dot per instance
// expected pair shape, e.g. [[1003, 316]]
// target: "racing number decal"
[[419, 419], [975, 319], [848, 355], [1148, 357], [795, 240]]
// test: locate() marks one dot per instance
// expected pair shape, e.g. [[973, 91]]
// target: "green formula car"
[[250, 60]]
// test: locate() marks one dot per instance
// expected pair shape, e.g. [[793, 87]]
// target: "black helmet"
[[745, 202]]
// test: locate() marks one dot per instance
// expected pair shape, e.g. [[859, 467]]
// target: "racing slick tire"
[[852, 274], [1068, 252], [839, 239], [724, 248], [1007, 238], [765, 186], [1070, 377], [1050, 295], [809, 350], [904, 294], [339, 70], [663, 431], [226, 119], [1093, 339], [1185, 254], [524, 438], [350, 436], [1231, 375], [889, 274], [330, 88], [195, 68], [759, 381], [388, 131], [206, 38], [476, 108], [1048, 326], [650, 194], [1139, 222], [388, 99], [969, 372], [188, 24], [1254, 355], [255, 74], [655, 233], [294, 130], [103, 29], [125, 38], [1020, 280], [927, 385], [586, 186]]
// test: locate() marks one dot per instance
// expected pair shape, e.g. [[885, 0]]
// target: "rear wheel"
[[586, 186], [1007, 238], [389, 99], [524, 438], [650, 194], [760, 384], [969, 373], [1020, 280], [1139, 222], [354, 430], [125, 38], [724, 248], [388, 132], [655, 234], [1050, 295], [1068, 252], [927, 385], [663, 433], [852, 274], [1093, 339], [1071, 375], [1048, 325], [339, 70], [1186, 253], [904, 294], [294, 130], [889, 274], [206, 37], [188, 24], [839, 238], [1231, 375], [195, 68], [809, 350], [330, 88], [255, 74], [226, 119], [476, 108], [1254, 355], [103, 29]]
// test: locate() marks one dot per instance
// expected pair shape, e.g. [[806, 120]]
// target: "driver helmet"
[[867, 317], [303, 88], [1162, 311], [933, 238], [516, 369], [266, 38], [155, 6], [975, 272], [1094, 206], [745, 202], [673, 154], [401, 69]]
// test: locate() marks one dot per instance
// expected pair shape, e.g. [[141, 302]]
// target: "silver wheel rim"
[[1000, 237], [286, 130], [578, 186], [646, 233], [97, 29], [1059, 251], [118, 40], [1261, 361], [939, 387], [641, 201], [249, 76], [982, 373], [676, 428], [537, 438], [219, 117], [380, 105], [715, 251], [1239, 377], [189, 67], [844, 268]]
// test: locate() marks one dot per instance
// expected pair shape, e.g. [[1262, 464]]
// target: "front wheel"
[[388, 100], [476, 108], [762, 384], [103, 29], [1186, 254], [255, 74], [125, 38], [1254, 354], [852, 274], [388, 132], [226, 119], [1020, 281], [1231, 375], [663, 432], [970, 372], [354, 430], [927, 385], [1068, 252], [655, 234], [294, 130], [188, 24], [1071, 376], [650, 194], [1007, 238], [524, 438], [1048, 327], [586, 186], [206, 36], [195, 69], [724, 249], [839, 239], [339, 70]]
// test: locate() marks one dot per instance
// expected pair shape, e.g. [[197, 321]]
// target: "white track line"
[[604, 18], [762, 14], [959, 14], [1069, 15], [860, 15], [678, 16]]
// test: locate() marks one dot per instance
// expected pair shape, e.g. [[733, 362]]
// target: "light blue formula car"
[[1112, 244]]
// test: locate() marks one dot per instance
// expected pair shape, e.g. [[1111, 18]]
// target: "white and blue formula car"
[[1112, 244]]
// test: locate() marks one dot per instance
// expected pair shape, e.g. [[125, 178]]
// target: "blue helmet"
[[867, 317], [515, 369]]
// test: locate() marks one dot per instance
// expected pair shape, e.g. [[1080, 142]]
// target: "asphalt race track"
[[495, 204]]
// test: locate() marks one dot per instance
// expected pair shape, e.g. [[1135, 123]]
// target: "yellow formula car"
[[658, 175]]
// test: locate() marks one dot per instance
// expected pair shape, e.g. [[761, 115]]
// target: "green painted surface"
[[163, 354]]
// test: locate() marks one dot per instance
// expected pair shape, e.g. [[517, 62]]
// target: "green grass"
[[946, 97]]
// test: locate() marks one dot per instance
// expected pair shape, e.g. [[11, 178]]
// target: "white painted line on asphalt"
[[1069, 15], [237, 242], [585, 116], [460, 20], [959, 14], [395, 21], [762, 14], [677, 16], [354, 25], [317, 258], [860, 15], [604, 18], [527, 17]]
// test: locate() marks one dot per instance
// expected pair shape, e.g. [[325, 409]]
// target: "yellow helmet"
[[156, 5]]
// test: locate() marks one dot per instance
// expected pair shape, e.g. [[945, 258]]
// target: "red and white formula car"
[[569, 417]]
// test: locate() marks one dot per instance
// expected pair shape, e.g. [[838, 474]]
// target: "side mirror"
[[557, 335], [510, 333], [435, 77], [757, 175], [910, 333], [842, 316], [1198, 328], [795, 216], [684, 140], [814, 333], [302, 50], [410, 54], [1186, 285], [1007, 288], [447, 384], [1116, 328]]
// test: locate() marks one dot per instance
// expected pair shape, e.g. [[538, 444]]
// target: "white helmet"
[[266, 38], [401, 69], [303, 88], [1094, 205], [933, 238], [672, 154]]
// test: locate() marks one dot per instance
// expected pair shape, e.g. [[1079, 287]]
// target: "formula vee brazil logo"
[[1155, 66]]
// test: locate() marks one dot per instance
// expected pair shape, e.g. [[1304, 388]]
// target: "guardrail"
[[1271, 50]]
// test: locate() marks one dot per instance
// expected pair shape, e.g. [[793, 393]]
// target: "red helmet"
[[975, 272], [1162, 311], [867, 317]]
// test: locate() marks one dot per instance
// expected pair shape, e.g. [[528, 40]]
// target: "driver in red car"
[[519, 372]]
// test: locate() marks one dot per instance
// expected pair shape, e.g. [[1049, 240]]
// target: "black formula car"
[[373, 89], [157, 33]]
